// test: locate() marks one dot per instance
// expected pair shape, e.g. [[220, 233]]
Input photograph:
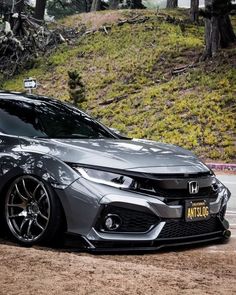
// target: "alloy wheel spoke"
[[23, 223], [26, 190], [42, 196], [19, 193], [15, 216], [21, 214], [35, 190], [43, 216], [22, 205], [29, 228], [38, 225]]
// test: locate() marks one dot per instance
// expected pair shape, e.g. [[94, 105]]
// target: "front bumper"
[[84, 207]]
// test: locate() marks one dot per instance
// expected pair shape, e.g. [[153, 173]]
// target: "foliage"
[[130, 85], [62, 8], [76, 87], [218, 7]]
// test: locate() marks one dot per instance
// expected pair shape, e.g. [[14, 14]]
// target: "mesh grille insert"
[[178, 229], [132, 221]]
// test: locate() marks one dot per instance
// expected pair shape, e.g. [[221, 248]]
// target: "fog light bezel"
[[116, 222]]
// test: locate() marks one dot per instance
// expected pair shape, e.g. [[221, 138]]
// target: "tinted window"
[[17, 118], [62, 121], [47, 119]]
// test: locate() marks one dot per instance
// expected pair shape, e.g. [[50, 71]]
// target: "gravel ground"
[[203, 270]]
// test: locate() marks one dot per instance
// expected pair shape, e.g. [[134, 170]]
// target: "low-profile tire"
[[33, 213]]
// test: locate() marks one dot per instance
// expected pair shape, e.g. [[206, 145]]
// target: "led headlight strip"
[[106, 178]]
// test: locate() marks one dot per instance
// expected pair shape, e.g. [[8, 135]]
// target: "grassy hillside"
[[130, 84]]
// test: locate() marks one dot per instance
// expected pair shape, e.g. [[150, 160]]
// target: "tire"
[[33, 213]]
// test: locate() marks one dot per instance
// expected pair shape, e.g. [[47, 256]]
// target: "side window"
[[18, 118]]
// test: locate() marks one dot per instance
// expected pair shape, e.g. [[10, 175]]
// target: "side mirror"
[[116, 131]]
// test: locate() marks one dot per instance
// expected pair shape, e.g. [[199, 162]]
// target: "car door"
[[8, 142]]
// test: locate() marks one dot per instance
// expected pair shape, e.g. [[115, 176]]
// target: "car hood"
[[134, 155]]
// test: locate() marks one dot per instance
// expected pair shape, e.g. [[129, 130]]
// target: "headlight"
[[217, 185], [107, 178], [219, 188]]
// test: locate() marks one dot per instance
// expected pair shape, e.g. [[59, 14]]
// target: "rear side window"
[[18, 118]]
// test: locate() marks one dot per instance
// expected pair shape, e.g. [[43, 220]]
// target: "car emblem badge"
[[193, 187]]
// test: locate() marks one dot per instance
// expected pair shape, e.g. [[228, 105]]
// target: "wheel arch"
[[50, 170], [4, 190]]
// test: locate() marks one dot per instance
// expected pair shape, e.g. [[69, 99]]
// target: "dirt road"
[[205, 270]]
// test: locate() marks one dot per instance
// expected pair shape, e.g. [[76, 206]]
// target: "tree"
[[114, 4], [19, 6], [40, 9], [88, 4], [62, 8], [96, 5], [76, 87], [219, 32], [194, 11], [137, 4], [172, 4]]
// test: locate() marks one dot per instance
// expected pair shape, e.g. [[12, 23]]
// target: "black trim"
[[128, 246], [150, 176], [72, 240], [78, 242]]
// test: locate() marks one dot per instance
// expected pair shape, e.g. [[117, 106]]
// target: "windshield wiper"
[[70, 136], [40, 137]]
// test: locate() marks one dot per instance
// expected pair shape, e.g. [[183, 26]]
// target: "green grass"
[[133, 65]]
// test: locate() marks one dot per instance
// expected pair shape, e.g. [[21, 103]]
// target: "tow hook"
[[227, 234]]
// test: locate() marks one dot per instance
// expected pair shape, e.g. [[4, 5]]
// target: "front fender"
[[51, 169]]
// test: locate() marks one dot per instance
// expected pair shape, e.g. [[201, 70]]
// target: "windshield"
[[48, 120]]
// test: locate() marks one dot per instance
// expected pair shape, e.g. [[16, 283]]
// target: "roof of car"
[[35, 99], [24, 97]]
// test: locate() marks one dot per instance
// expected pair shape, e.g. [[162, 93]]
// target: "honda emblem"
[[193, 187]]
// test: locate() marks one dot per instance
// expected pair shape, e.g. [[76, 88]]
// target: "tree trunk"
[[194, 11], [19, 6], [40, 9], [88, 4], [227, 35], [137, 4], [172, 4], [96, 5], [83, 6], [218, 32], [212, 36], [114, 4]]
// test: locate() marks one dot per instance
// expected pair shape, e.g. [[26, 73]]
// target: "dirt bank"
[[205, 270]]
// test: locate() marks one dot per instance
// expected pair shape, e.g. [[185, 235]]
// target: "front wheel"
[[33, 213]]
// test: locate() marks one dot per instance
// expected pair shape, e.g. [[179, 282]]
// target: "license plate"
[[196, 210]]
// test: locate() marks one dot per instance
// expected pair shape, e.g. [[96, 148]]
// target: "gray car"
[[64, 173]]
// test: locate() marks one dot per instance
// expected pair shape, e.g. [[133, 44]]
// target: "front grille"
[[182, 175], [183, 193], [178, 188], [132, 220], [179, 229]]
